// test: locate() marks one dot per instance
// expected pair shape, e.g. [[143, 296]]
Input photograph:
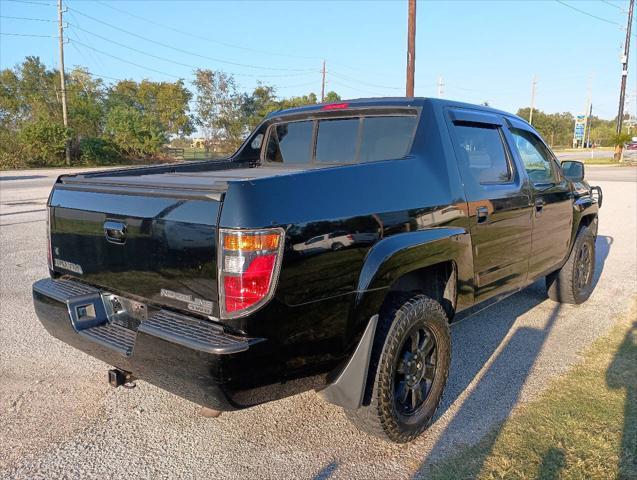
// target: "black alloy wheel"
[[416, 370]]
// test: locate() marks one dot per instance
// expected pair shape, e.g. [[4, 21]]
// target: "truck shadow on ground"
[[622, 374], [490, 370]]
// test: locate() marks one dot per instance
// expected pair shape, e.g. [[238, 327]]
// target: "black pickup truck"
[[330, 252]]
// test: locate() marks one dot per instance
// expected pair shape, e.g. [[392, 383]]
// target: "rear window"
[[339, 141], [290, 143]]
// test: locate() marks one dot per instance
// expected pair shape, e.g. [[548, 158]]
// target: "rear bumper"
[[192, 358]]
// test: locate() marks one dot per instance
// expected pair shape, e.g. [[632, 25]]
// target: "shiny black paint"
[[403, 215], [170, 243]]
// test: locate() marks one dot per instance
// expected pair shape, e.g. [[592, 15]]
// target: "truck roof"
[[387, 102]]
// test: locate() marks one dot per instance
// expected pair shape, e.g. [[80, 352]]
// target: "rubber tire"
[[397, 316], [560, 284]]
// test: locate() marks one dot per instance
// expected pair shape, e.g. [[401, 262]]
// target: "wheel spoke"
[[428, 347], [402, 392], [430, 371], [416, 396], [415, 341], [402, 364]]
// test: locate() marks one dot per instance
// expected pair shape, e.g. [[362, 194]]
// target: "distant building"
[[198, 142]]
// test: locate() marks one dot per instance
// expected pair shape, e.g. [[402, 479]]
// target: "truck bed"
[[173, 180]]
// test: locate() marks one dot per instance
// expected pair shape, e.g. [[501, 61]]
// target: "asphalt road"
[[59, 418]]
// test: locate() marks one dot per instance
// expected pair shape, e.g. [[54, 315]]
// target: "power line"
[[33, 3], [169, 60], [295, 86], [124, 60], [28, 18], [83, 38], [588, 14], [180, 50], [612, 4], [601, 19], [351, 79], [200, 37], [357, 89], [27, 35]]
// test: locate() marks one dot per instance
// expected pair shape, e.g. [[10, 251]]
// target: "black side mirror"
[[573, 170]]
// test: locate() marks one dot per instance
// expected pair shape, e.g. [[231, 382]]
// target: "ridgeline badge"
[[194, 304]]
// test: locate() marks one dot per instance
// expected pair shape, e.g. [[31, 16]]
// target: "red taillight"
[[248, 268], [335, 106], [245, 290]]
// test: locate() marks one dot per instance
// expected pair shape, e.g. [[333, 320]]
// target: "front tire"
[[573, 283], [410, 359]]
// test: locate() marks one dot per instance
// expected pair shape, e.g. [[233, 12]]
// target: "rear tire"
[[410, 363], [573, 283]]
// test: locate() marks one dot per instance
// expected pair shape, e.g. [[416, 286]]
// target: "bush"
[[135, 134], [43, 143], [98, 151]]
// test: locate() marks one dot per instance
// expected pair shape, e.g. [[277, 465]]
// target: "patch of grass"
[[583, 426], [596, 160]]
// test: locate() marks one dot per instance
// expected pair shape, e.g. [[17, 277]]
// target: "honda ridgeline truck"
[[330, 252]]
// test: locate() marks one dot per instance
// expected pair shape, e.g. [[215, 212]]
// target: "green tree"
[[555, 128], [164, 103], [332, 97], [135, 134], [256, 106], [219, 108], [44, 142], [85, 96]]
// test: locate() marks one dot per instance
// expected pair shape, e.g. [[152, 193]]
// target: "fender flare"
[[387, 261]]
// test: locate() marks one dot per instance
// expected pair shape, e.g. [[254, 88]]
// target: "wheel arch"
[[433, 262], [408, 262]]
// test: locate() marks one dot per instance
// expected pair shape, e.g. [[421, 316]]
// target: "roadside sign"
[[580, 126]]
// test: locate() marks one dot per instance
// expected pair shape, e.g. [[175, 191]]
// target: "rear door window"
[[482, 153]]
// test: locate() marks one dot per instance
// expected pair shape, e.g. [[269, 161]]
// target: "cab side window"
[[482, 153], [535, 156]]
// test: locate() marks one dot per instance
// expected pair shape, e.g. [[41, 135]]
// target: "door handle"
[[539, 206], [482, 214], [115, 232]]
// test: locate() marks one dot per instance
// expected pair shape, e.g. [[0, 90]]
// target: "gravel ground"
[[59, 418]]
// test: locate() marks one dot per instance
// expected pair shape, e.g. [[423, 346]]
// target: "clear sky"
[[483, 50]]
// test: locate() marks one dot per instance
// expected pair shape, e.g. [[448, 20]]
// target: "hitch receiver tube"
[[117, 378]]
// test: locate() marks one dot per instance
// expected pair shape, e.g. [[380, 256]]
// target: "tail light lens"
[[249, 263]]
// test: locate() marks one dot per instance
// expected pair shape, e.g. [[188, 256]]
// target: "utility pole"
[[411, 48], [590, 125], [441, 87], [532, 99], [587, 112], [323, 84], [624, 60], [62, 81]]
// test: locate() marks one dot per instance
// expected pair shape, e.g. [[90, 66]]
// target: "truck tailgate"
[[149, 240]]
